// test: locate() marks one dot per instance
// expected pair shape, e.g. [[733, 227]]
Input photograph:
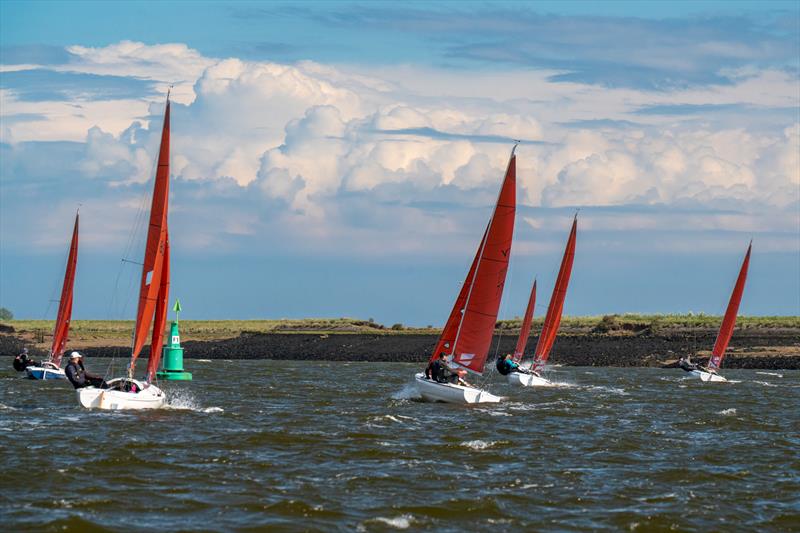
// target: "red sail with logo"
[[525, 330], [160, 320], [61, 330], [474, 334], [729, 321], [155, 249], [553, 318]]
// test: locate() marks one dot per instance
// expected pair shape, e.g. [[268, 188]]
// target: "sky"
[[342, 158]]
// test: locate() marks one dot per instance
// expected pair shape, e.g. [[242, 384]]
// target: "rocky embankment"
[[750, 348]]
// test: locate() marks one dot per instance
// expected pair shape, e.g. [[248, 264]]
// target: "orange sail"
[[155, 249], [448, 336], [525, 330], [474, 335], [729, 321], [553, 318], [160, 320], [61, 331]]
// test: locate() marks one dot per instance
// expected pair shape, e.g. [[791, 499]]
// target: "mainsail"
[[729, 321], [160, 320], [486, 281], [61, 330], [525, 330], [553, 318], [155, 251]]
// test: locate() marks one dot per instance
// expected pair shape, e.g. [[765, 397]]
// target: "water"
[[326, 446]]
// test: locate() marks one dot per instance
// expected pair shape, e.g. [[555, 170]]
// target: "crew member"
[[685, 363], [437, 371], [507, 365], [79, 377], [22, 361]]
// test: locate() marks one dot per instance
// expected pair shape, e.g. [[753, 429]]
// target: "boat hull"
[[707, 376], [527, 380], [148, 397], [45, 372], [432, 391]]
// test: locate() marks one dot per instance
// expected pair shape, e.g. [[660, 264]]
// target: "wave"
[[408, 392], [398, 522], [727, 412], [479, 444], [770, 374]]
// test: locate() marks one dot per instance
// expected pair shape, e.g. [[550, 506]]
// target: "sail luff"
[[475, 332], [64, 317], [155, 248], [729, 320], [556, 307], [525, 330], [450, 330], [160, 320]]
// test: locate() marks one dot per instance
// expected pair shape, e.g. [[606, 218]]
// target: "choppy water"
[[326, 446]]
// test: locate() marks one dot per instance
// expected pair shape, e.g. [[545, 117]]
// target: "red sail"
[[729, 321], [474, 335], [160, 321], [553, 318], [525, 330], [61, 331], [155, 248], [448, 336]]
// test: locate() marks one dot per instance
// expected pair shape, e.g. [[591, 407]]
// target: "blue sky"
[[341, 159]]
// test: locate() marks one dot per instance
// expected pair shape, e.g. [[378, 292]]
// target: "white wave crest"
[[479, 444], [398, 522], [185, 401], [770, 374], [727, 412]]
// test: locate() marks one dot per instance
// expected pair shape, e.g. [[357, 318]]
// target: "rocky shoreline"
[[751, 348]]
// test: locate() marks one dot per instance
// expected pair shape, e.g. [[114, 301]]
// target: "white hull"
[[148, 397], [433, 391], [707, 376], [527, 380]]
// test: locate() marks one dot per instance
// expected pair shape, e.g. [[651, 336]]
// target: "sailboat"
[[127, 392], [551, 321], [51, 369], [726, 329], [467, 335]]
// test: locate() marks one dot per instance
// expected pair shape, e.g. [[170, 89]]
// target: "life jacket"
[[503, 367]]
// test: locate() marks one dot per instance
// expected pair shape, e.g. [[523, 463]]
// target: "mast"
[[553, 318], [525, 330], [61, 330], [153, 265], [729, 321], [474, 334]]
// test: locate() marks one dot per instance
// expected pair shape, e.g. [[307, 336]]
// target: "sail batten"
[[729, 320], [525, 329], [556, 307], [156, 247], [486, 282], [64, 317]]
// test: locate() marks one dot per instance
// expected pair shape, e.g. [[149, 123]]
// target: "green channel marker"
[[172, 357]]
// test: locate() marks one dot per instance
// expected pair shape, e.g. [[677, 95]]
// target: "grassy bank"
[[103, 331]]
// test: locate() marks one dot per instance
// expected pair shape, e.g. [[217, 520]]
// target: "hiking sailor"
[[79, 377], [437, 371], [22, 361], [506, 365]]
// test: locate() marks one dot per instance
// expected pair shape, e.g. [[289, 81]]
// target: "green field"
[[101, 331]]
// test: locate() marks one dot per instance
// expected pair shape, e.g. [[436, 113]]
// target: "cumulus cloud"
[[317, 151]]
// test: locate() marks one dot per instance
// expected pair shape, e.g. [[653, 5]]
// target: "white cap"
[[73, 355]]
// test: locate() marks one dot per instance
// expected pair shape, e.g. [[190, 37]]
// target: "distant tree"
[[6, 314], [397, 326]]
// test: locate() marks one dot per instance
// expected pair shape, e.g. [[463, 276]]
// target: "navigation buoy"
[[172, 356]]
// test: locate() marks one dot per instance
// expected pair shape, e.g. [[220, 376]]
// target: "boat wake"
[[185, 401], [408, 392]]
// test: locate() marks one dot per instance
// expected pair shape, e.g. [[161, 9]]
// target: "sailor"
[[437, 370], [685, 363], [22, 361], [507, 365], [79, 377]]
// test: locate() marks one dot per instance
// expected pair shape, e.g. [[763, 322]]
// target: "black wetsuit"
[[439, 372], [80, 378], [21, 362], [687, 366]]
